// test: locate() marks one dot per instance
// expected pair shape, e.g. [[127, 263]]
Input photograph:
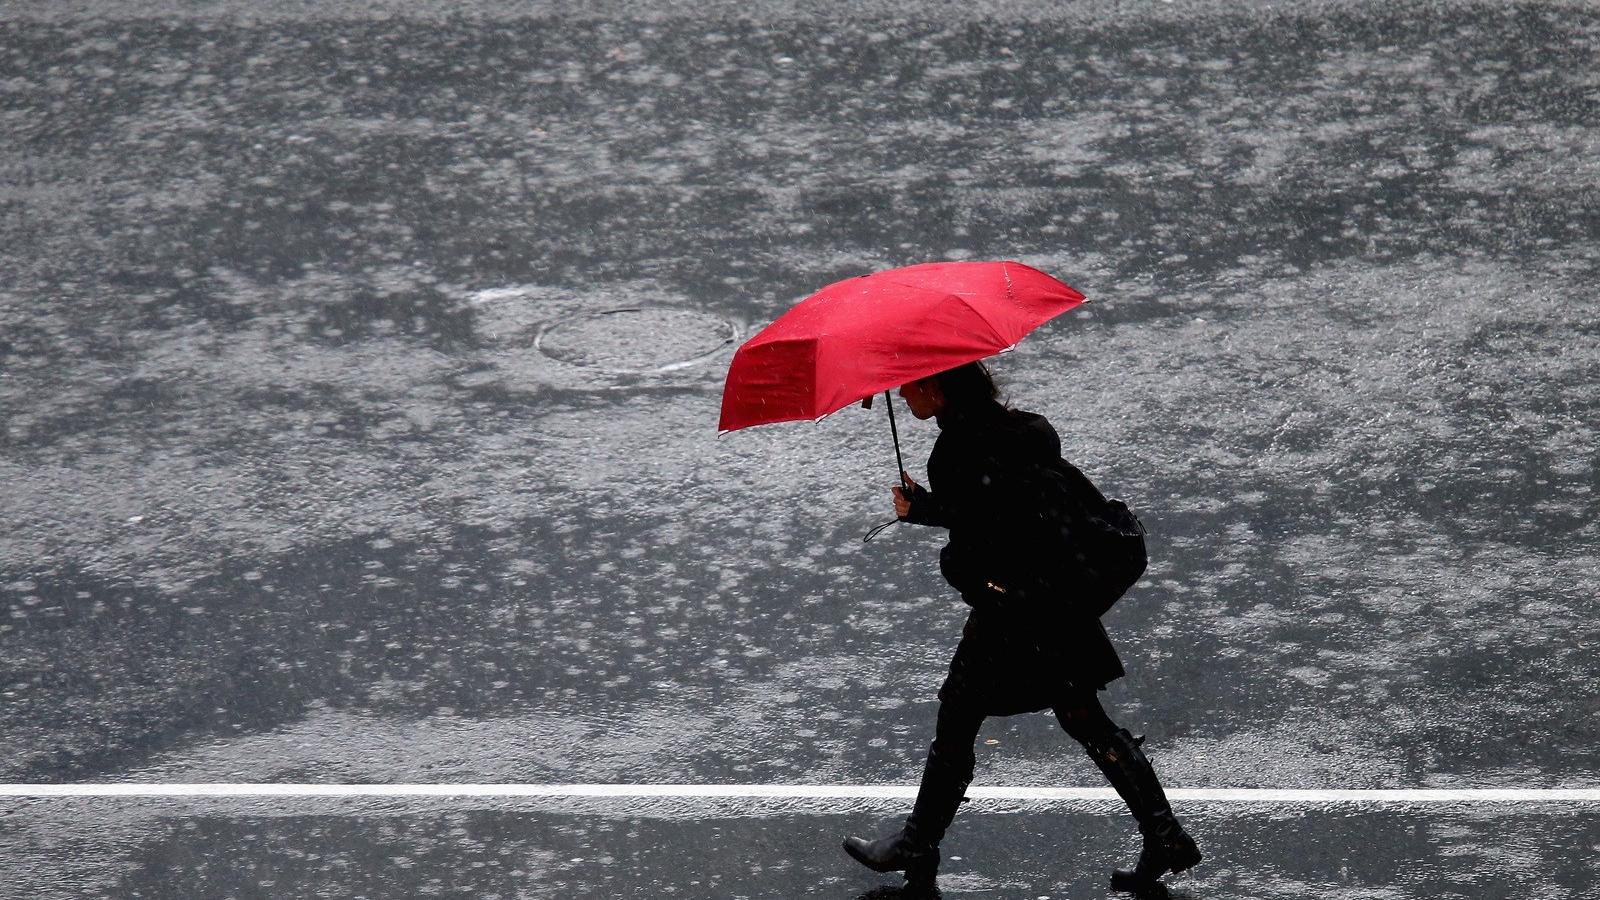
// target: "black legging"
[[1079, 713]]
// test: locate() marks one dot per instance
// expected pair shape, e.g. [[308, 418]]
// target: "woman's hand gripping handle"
[[904, 494]]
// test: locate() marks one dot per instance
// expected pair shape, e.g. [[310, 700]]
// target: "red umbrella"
[[871, 333]]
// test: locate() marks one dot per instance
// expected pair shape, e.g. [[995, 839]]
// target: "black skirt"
[[1008, 664]]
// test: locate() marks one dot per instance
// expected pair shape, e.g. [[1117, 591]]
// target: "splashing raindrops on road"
[[359, 378]]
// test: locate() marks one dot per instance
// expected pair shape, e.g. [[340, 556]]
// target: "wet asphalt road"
[[1015, 850], [318, 464]]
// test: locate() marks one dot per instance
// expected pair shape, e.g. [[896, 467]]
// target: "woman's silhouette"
[[1016, 655]]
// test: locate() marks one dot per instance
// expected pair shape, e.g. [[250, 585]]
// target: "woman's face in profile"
[[924, 397]]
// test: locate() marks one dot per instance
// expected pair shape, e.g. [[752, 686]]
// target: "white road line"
[[785, 792]]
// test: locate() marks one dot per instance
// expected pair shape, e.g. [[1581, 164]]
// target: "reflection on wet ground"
[[296, 490]]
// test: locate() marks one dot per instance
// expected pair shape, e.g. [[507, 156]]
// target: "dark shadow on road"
[[899, 892]]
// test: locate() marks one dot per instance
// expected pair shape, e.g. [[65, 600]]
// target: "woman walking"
[[1017, 654]]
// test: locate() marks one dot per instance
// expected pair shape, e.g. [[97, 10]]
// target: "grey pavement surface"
[[1001, 850], [327, 455]]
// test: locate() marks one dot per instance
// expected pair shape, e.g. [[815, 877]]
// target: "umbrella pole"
[[888, 402]]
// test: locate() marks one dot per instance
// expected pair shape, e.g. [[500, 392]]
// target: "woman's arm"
[[920, 507]]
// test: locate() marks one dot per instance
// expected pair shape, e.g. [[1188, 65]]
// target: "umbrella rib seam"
[[816, 381], [993, 331]]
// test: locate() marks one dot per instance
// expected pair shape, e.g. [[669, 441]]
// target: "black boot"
[[903, 851], [1167, 847], [914, 849]]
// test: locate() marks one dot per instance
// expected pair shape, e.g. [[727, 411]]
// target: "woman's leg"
[[945, 776], [1167, 847], [948, 771]]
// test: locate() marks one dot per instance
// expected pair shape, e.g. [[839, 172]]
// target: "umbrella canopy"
[[871, 333]]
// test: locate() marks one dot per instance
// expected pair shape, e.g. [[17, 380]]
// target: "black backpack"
[[1082, 548]]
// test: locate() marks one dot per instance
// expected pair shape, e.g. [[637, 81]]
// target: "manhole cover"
[[641, 339]]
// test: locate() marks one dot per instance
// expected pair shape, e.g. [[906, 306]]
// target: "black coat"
[[1018, 653]]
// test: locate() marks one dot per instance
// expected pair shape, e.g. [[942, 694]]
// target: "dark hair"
[[968, 386]]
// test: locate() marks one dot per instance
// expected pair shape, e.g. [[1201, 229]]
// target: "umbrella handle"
[[888, 403], [894, 430]]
